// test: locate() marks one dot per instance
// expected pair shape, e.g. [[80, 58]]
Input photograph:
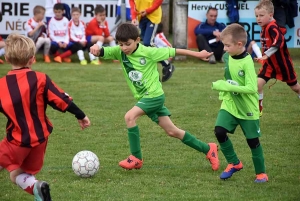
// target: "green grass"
[[171, 170]]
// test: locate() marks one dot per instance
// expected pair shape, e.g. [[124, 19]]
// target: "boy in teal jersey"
[[139, 64], [238, 92]]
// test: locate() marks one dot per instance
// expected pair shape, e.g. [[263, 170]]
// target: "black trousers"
[[202, 44]]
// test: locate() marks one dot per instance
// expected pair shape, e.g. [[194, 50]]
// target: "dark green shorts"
[[228, 121], [154, 107]]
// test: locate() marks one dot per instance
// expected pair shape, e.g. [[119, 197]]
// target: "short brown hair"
[[127, 31], [19, 49], [75, 9], [266, 4], [38, 10], [236, 32], [99, 9]]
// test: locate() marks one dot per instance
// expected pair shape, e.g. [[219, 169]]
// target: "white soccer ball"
[[85, 164]]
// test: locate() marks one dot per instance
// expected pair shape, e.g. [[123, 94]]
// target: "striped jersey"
[[24, 96]]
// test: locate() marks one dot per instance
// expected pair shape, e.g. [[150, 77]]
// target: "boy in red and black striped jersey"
[[24, 96], [276, 59]]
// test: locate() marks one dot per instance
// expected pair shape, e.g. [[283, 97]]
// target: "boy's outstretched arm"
[[201, 55], [83, 120], [95, 50]]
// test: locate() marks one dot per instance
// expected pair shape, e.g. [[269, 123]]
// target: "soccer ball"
[[85, 164]]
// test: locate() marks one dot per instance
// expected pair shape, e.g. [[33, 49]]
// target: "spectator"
[[77, 33], [208, 35], [59, 35], [49, 9], [148, 14], [36, 30], [2, 50], [97, 32]]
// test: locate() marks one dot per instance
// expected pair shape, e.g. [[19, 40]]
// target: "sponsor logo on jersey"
[[135, 76]]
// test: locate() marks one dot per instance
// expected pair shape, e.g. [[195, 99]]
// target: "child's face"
[[263, 17], [232, 48], [76, 16], [129, 46], [40, 16], [58, 14], [100, 17]]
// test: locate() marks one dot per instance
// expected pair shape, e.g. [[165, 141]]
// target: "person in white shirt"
[[77, 34], [160, 39], [36, 30], [49, 9], [59, 34]]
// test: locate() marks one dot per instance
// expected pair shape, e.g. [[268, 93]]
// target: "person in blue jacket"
[[208, 35]]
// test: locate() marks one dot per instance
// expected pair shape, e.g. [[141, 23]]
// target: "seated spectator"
[[59, 35], [36, 30], [2, 50], [77, 34], [208, 35], [97, 32], [49, 9]]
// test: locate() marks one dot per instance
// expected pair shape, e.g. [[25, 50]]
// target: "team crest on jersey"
[[143, 61], [241, 73], [135, 76]]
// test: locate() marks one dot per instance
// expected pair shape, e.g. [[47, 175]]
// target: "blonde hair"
[[265, 4], [19, 49], [236, 32], [38, 10]]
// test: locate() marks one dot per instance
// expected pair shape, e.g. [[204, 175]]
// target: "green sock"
[[193, 142], [134, 142], [228, 151], [258, 160]]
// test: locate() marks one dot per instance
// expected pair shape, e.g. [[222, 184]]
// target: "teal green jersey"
[[140, 68], [238, 90]]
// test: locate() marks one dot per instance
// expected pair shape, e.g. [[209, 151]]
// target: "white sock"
[[261, 96], [26, 182], [99, 43], [112, 43], [80, 55], [47, 46], [256, 50], [92, 57], [2, 51]]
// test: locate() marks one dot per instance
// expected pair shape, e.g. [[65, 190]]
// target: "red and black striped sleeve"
[[276, 36]]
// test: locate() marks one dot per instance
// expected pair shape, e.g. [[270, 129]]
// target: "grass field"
[[171, 170]]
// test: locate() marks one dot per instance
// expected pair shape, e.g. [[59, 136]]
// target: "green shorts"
[[228, 121], [154, 107]]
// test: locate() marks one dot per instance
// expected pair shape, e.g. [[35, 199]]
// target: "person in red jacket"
[[97, 32]]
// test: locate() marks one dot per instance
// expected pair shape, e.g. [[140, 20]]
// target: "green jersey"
[[239, 88], [140, 68]]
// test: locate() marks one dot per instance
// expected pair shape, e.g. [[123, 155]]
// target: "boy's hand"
[[265, 57], [143, 13], [203, 55], [61, 44], [95, 50], [134, 22], [41, 23], [84, 123]]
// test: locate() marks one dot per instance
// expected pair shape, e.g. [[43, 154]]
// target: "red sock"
[[56, 53], [66, 54], [26, 182], [260, 105]]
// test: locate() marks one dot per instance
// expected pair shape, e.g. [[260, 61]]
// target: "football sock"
[[66, 54], [26, 182], [193, 142], [112, 43], [256, 50], [47, 46], [80, 55], [99, 43], [261, 97], [258, 160], [92, 57], [229, 153], [134, 141], [56, 54]]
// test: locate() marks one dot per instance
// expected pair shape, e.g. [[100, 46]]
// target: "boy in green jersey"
[[139, 64], [238, 92]]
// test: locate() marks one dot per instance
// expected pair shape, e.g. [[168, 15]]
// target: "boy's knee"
[[253, 143], [129, 118], [221, 134]]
